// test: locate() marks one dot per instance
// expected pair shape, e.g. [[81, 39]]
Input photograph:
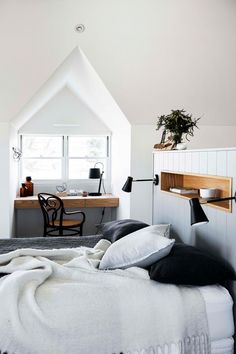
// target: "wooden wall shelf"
[[196, 181]]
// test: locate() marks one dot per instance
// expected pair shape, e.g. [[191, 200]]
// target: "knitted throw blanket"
[[58, 302]]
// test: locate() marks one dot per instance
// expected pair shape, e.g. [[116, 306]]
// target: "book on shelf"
[[182, 190]]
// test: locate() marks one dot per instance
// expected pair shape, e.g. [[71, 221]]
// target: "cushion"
[[140, 248], [114, 230], [188, 265]]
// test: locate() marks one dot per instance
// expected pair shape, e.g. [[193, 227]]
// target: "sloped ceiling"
[[152, 55]]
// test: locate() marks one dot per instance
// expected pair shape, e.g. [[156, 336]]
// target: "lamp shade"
[[197, 214], [127, 187], [94, 173]]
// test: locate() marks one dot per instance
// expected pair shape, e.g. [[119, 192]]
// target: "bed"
[[217, 300]]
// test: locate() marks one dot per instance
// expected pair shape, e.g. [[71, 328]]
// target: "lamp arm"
[[142, 180], [155, 180], [219, 200]]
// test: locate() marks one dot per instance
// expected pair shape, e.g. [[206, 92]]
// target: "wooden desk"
[[106, 200]]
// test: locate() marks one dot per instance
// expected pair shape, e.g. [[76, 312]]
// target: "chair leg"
[[81, 230]]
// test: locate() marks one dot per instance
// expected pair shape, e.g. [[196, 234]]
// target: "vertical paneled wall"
[[219, 235]]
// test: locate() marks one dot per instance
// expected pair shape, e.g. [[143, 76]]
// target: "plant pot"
[[181, 146]]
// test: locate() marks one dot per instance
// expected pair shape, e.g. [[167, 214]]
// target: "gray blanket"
[[8, 245]]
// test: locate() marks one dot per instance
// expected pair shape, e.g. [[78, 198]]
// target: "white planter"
[[181, 146]]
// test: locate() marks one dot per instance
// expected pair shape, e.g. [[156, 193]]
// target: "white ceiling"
[[153, 55]]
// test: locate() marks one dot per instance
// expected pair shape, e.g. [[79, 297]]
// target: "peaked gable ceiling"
[[152, 56], [78, 75]]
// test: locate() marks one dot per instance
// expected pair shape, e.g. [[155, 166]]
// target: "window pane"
[[42, 169], [79, 168], [42, 146], [87, 146]]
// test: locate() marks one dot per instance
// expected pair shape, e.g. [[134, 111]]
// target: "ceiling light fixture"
[[80, 28]]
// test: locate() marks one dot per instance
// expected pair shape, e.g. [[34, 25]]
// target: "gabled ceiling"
[[153, 55]]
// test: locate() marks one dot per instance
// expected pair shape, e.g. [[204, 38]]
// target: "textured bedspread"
[[58, 302], [8, 245]]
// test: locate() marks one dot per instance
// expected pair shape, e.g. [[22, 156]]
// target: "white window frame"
[[65, 160]]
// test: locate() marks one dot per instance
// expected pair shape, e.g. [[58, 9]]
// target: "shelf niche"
[[196, 181]]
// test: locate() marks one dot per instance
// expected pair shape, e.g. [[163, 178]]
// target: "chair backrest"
[[52, 208]]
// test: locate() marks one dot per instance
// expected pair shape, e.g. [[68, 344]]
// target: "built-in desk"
[[106, 200], [29, 219]]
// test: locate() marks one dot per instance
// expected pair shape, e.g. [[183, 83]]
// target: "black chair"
[[53, 214]]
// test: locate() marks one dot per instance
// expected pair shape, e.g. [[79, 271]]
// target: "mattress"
[[219, 311], [220, 318], [222, 346]]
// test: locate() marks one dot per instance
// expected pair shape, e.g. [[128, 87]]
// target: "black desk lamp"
[[95, 173], [127, 187], [197, 214]]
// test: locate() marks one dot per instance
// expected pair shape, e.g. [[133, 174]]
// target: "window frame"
[[65, 159]]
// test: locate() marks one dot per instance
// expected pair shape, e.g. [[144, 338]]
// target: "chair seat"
[[67, 223]]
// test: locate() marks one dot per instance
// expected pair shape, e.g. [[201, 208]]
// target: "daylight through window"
[[62, 157]]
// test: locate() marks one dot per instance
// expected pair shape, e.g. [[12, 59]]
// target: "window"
[[62, 157], [83, 153], [42, 157]]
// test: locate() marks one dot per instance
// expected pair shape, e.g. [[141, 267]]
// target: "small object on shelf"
[[23, 190], [164, 146], [84, 194], [181, 146], [61, 188], [209, 193], [29, 186], [181, 190], [61, 194]]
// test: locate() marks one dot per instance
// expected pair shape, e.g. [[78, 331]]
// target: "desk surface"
[[106, 200]]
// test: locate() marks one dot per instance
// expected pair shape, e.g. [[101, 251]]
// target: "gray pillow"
[[140, 248], [114, 230]]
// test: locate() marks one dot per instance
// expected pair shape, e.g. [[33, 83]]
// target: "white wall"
[[7, 181], [217, 236], [13, 178], [65, 108], [143, 139]]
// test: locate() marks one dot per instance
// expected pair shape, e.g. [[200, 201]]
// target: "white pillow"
[[140, 248]]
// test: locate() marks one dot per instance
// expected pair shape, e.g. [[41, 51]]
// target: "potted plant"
[[179, 124]]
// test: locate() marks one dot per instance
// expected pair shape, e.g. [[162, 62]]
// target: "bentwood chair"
[[55, 218]]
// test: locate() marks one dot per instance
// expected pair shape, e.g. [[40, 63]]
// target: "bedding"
[[223, 346], [140, 248], [8, 245], [76, 308], [219, 305], [191, 266], [114, 230]]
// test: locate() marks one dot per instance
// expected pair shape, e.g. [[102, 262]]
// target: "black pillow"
[[188, 265], [114, 230]]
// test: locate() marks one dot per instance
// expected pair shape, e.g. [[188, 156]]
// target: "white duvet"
[[58, 302]]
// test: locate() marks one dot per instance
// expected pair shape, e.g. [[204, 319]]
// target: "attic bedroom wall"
[[66, 114], [142, 141], [65, 108], [152, 56]]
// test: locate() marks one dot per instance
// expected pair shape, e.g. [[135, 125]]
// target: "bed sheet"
[[222, 346], [219, 311]]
